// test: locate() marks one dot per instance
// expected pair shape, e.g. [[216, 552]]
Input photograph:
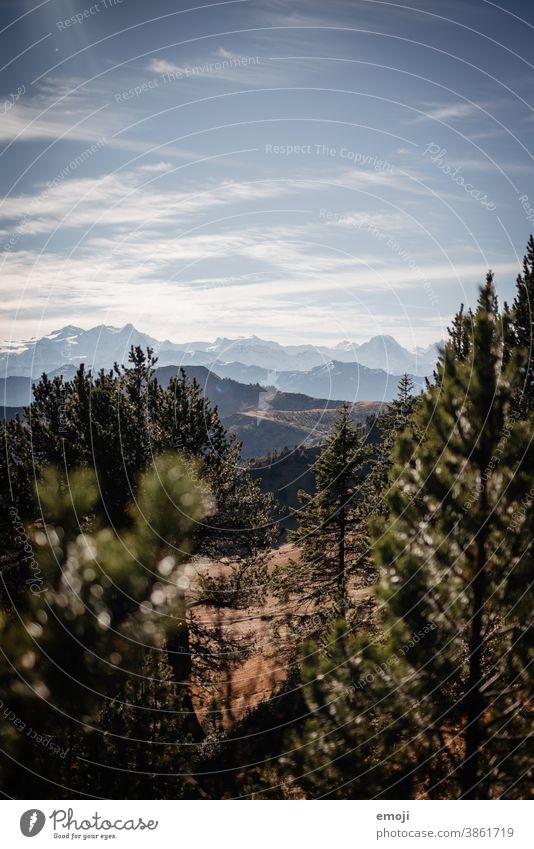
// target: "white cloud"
[[132, 280], [454, 111], [162, 66], [127, 199], [77, 116], [150, 247], [457, 110], [156, 167], [226, 54]]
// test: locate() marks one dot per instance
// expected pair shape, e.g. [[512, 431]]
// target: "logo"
[[31, 822]]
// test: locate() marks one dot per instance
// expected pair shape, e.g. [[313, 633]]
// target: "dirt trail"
[[257, 678]]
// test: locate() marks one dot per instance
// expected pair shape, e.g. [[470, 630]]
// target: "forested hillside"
[[351, 618]]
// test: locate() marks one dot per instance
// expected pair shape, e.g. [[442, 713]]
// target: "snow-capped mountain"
[[98, 347], [247, 359]]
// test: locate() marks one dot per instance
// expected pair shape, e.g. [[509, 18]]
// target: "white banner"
[[260, 825]]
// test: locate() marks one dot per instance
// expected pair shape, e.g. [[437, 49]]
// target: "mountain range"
[[325, 386], [246, 359], [273, 396], [264, 419]]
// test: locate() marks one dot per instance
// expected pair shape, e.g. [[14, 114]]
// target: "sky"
[[305, 171]]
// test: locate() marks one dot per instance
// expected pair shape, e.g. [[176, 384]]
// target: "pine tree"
[[117, 422], [397, 416], [461, 562], [17, 502], [48, 420], [461, 333], [240, 529], [139, 401], [144, 731], [328, 524], [440, 706], [522, 334], [97, 600]]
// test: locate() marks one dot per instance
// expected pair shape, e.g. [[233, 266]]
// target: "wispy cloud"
[[185, 224], [162, 66], [76, 115], [127, 199], [454, 111], [223, 65], [457, 111], [129, 284]]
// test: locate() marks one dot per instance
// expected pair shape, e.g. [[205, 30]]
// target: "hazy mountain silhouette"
[[248, 360]]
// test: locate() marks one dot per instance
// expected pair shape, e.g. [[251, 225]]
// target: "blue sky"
[[304, 171]]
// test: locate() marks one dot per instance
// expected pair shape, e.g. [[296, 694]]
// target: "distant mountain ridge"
[[229, 396], [248, 360], [349, 381], [265, 403], [327, 386], [263, 418]]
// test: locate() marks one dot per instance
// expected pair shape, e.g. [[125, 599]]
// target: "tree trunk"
[[341, 577], [474, 702]]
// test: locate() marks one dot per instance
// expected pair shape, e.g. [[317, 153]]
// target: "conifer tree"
[[396, 417], [440, 706], [522, 332], [143, 738], [139, 400], [117, 422], [461, 333], [329, 523], [96, 601], [17, 501]]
